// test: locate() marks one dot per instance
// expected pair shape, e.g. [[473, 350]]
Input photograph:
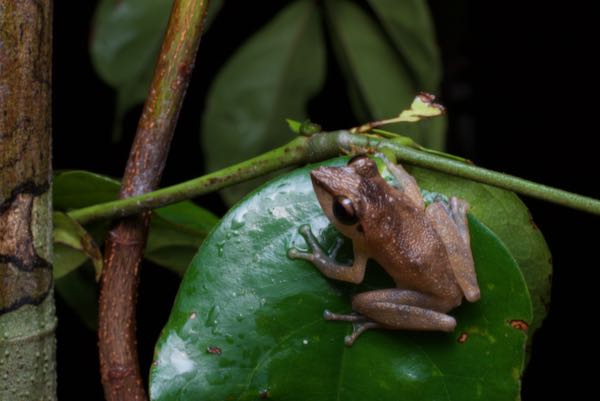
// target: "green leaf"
[[510, 220], [294, 125], [271, 77], [247, 322], [79, 291], [410, 26], [176, 230], [74, 189], [126, 40], [422, 107], [176, 233], [73, 245], [385, 75]]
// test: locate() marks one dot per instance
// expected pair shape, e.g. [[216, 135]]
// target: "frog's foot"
[[360, 324], [358, 328], [316, 255]]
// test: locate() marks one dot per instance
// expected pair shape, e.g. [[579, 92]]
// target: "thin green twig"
[[319, 147]]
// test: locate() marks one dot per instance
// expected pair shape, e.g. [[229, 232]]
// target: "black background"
[[520, 87]]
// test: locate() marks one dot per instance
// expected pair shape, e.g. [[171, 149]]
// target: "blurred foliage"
[[126, 39], [176, 232], [385, 49]]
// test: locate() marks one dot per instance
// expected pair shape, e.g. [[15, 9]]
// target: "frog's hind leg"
[[360, 324], [458, 212], [450, 222], [395, 309]]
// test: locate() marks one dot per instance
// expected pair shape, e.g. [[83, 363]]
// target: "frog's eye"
[[343, 210], [364, 166]]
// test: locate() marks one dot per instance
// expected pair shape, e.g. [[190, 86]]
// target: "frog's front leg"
[[326, 263], [395, 309]]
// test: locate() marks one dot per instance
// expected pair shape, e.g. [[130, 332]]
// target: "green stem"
[[288, 155], [505, 181], [320, 147]]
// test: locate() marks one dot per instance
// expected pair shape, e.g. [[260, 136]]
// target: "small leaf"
[[126, 40], [294, 125], [73, 246], [423, 106], [382, 78], [66, 259], [188, 214], [247, 322], [176, 230], [79, 291], [272, 76], [74, 189]]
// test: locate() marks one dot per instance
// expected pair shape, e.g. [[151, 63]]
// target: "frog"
[[425, 249]]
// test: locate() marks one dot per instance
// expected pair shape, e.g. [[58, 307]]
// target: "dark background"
[[520, 87]]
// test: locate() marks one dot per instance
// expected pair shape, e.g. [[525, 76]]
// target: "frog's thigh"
[[402, 309], [457, 247]]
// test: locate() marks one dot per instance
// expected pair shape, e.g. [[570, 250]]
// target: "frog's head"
[[343, 193]]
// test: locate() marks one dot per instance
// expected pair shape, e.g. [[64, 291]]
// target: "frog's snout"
[[320, 176]]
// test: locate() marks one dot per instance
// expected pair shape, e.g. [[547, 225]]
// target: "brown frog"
[[426, 250]]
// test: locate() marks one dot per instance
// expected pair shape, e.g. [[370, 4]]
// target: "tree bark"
[[27, 316], [119, 365]]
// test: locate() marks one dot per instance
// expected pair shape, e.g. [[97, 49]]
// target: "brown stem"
[[117, 343]]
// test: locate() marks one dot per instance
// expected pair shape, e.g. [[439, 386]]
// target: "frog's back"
[[405, 243]]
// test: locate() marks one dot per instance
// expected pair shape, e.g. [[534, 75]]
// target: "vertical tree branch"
[[27, 318], [117, 344]]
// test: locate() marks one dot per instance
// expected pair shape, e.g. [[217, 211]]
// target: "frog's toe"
[[304, 230], [294, 253], [349, 340]]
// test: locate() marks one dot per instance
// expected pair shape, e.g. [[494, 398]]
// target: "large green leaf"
[[247, 322], [410, 26], [126, 39], [384, 75], [270, 78], [510, 220]]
